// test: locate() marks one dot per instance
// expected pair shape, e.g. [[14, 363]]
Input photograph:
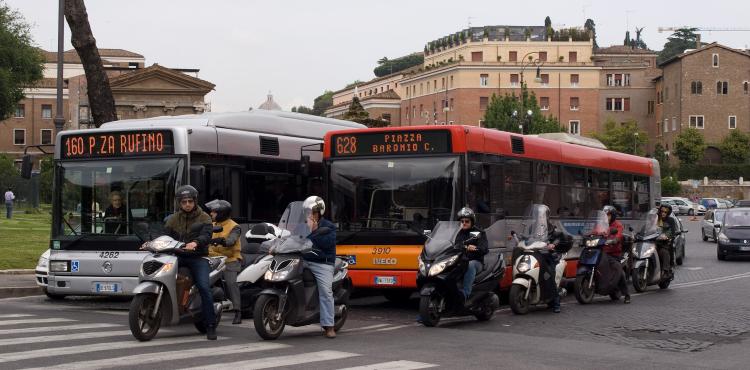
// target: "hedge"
[[714, 171]]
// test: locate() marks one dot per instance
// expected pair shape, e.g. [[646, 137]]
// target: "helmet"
[[262, 232], [186, 191], [667, 207], [467, 212], [610, 210], [222, 208], [314, 203]]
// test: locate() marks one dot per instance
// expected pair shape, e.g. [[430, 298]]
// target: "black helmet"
[[186, 191], [467, 212], [222, 208], [610, 210]]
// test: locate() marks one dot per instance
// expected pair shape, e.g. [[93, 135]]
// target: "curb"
[[20, 291], [17, 272]]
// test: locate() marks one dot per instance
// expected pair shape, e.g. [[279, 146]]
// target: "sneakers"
[[237, 318], [627, 299], [211, 332], [556, 309], [329, 333]]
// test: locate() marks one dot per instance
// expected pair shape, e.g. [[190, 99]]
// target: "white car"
[[713, 217], [686, 206], [42, 269]]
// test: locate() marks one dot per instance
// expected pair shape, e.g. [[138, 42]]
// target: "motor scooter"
[[256, 264], [647, 266], [595, 275]]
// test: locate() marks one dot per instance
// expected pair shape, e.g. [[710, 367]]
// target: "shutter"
[[626, 104], [516, 144], [269, 145]]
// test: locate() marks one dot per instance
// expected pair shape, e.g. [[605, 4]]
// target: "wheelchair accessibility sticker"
[[74, 266]]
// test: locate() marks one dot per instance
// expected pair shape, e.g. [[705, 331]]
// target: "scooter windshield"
[[597, 224], [536, 224], [650, 224], [294, 221], [441, 238]]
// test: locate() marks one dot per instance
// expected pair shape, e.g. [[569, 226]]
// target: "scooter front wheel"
[[269, 322], [519, 303], [639, 281], [143, 326], [340, 320], [584, 292], [429, 309]]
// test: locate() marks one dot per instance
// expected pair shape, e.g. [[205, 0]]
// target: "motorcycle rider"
[[321, 261], [193, 226], [558, 243], [668, 227], [227, 243], [614, 250], [475, 251]]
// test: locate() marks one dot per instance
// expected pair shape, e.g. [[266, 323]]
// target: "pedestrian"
[[226, 243], [9, 197]]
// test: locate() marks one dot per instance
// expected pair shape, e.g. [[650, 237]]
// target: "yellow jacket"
[[231, 235]]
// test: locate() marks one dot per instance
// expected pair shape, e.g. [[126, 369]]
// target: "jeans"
[[472, 270], [550, 260], [8, 210], [324, 278], [233, 290], [200, 269]]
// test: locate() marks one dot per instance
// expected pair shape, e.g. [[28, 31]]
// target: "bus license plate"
[[385, 280], [745, 248], [107, 287]]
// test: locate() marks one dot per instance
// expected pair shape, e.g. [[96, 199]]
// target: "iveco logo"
[[107, 267], [384, 261]]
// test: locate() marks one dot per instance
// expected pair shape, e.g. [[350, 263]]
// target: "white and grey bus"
[[257, 160]]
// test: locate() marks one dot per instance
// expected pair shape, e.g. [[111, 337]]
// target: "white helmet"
[[314, 203]]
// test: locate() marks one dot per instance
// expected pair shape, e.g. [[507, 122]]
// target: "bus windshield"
[[393, 193], [108, 197]]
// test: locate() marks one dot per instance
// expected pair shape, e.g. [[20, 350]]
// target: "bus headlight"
[[442, 265], [58, 266], [42, 263]]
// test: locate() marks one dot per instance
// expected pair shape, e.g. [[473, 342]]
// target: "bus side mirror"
[[475, 173], [26, 166], [304, 166]]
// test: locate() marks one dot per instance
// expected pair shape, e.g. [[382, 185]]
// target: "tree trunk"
[[101, 101]]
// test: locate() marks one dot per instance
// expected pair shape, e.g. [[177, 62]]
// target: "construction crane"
[[701, 29]]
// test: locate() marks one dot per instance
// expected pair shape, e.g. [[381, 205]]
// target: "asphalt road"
[[701, 321]]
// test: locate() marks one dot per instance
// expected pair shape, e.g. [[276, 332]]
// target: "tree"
[[689, 146], [8, 173], [45, 179], [735, 148], [303, 109], [670, 187], [499, 114], [101, 100], [590, 27], [21, 64], [387, 66], [357, 113], [548, 27], [677, 43], [322, 102], [622, 137], [356, 82], [659, 154]]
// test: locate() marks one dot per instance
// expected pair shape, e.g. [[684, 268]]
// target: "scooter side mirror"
[[426, 232]]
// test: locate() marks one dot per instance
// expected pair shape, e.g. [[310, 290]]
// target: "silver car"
[[712, 217], [679, 207]]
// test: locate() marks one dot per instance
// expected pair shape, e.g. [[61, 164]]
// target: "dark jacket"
[[115, 219], [189, 227], [563, 243], [323, 244], [481, 243]]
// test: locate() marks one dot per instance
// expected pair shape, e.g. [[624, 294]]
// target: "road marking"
[[33, 321], [364, 328], [62, 337], [15, 315], [693, 268], [39, 329], [711, 281], [393, 365], [393, 328], [145, 359], [278, 361], [88, 348]]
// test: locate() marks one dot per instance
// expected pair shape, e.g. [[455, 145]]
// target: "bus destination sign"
[[391, 143], [117, 144]]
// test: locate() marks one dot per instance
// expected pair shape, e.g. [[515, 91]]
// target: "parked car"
[[742, 203], [727, 203], [713, 203], [697, 208], [712, 218], [734, 234], [679, 207]]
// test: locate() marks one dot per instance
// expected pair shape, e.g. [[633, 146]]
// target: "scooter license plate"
[[745, 248], [107, 287], [385, 280]]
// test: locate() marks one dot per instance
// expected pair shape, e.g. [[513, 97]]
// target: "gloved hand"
[[218, 241]]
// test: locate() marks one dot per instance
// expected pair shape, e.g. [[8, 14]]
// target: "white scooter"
[[256, 264]]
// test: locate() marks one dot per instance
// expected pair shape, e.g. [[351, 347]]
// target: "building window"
[[574, 103], [542, 56], [484, 80], [476, 56], [483, 101], [442, 83], [572, 56], [451, 107], [574, 80], [674, 123], [21, 110], [722, 87], [745, 87], [19, 136], [451, 81], [650, 107], [715, 60], [46, 111], [666, 125], [513, 56], [665, 97], [421, 88], [696, 122], [617, 104], [434, 85], [696, 88], [618, 79], [46, 137], [545, 79], [544, 103], [514, 79], [574, 127], [732, 122]]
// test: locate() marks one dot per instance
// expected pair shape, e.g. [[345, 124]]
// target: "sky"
[[298, 49]]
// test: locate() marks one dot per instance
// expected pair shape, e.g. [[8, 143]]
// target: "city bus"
[[386, 186], [257, 160]]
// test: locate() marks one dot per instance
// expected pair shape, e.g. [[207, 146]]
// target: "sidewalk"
[[18, 283]]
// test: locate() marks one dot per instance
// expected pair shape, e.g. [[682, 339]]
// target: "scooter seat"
[[491, 262]]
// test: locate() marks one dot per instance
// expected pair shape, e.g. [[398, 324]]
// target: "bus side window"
[[478, 198]]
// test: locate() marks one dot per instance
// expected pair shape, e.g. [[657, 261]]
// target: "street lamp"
[[635, 143], [530, 61], [59, 118]]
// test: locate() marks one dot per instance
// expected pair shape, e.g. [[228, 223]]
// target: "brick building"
[[706, 89]]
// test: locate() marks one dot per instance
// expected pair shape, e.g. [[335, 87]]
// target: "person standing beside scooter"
[[321, 262], [475, 250], [192, 226], [226, 243], [614, 250], [558, 242]]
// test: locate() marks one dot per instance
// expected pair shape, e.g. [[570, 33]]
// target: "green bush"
[[714, 171], [670, 187]]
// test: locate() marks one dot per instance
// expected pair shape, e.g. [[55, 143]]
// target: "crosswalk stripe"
[[393, 365], [15, 315], [277, 361], [393, 328], [33, 321], [45, 329], [364, 328], [140, 359], [64, 351], [63, 337]]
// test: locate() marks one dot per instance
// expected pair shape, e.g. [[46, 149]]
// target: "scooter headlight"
[[165, 269], [592, 242], [645, 252], [524, 265], [422, 267], [281, 271], [442, 265]]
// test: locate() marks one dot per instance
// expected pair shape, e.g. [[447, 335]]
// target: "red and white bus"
[[386, 185]]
